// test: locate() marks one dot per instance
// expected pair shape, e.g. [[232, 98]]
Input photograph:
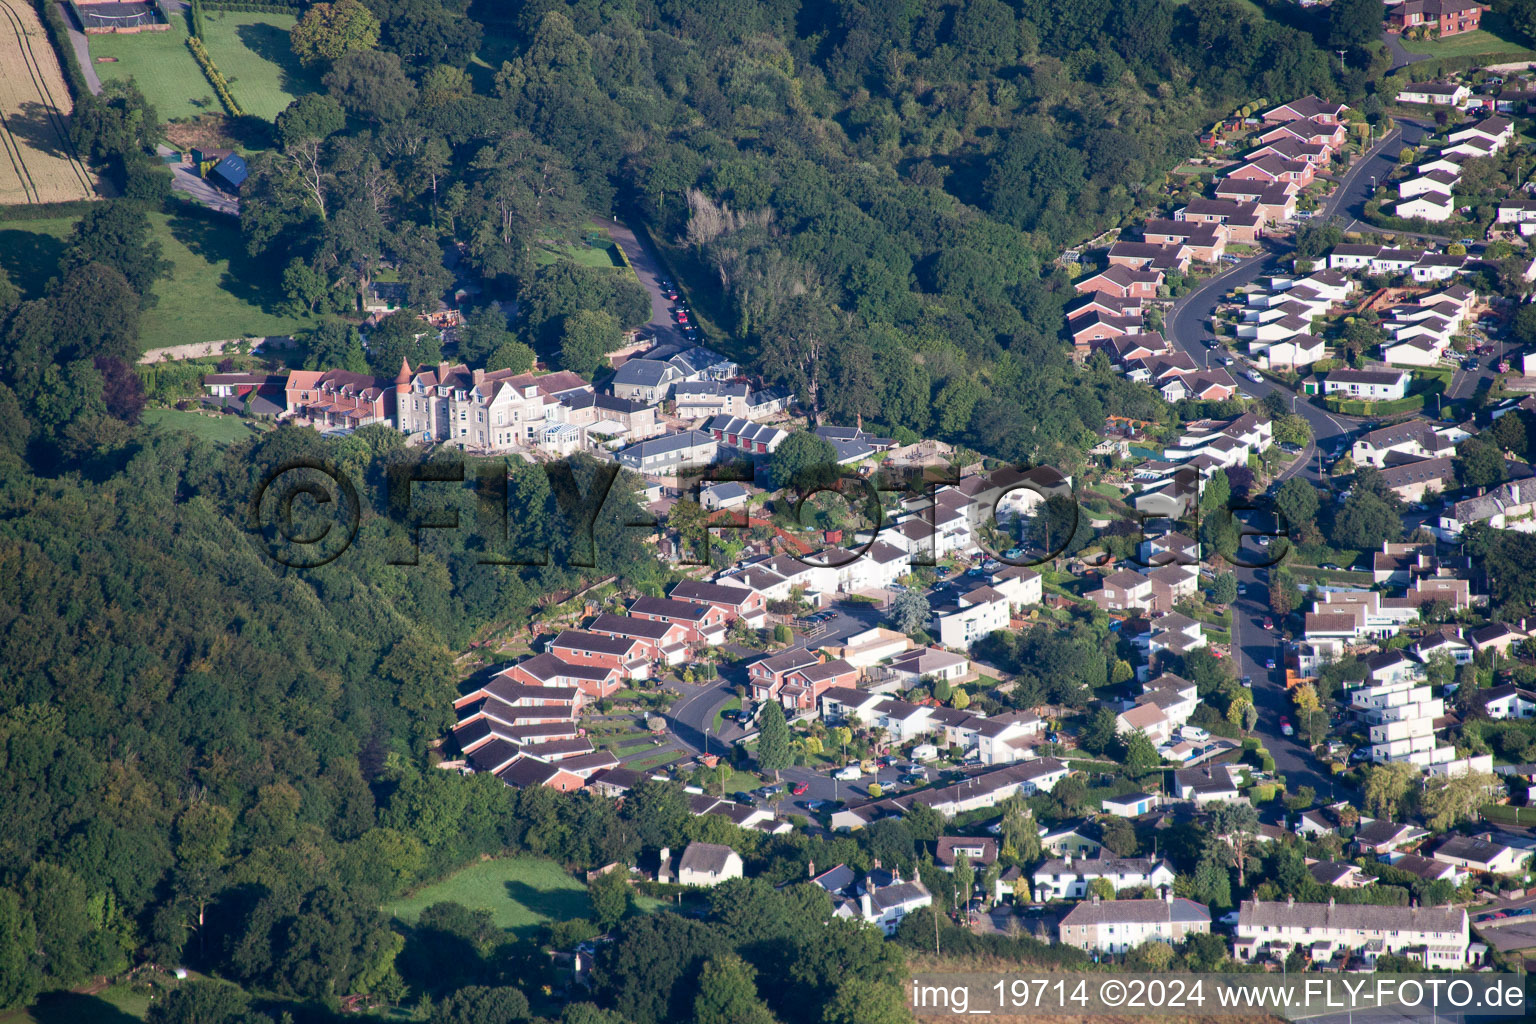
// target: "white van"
[[852, 773], [1194, 732]]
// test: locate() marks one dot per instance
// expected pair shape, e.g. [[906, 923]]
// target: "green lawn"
[[216, 429], [1501, 39], [251, 49], [521, 893], [215, 290], [117, 1004], [163, 68], [30, 251], [734, 704]]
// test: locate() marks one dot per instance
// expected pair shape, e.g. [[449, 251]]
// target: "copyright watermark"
[[308, 512]]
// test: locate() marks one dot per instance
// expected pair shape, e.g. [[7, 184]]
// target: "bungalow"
[[1437, 266], [1308, 108], [669, 454], [1440, 94], [707, 864], [1375, 385], [1345, 876], [526, 771], [1480, 855], [928, 663], [1131, 805], [1381, 836], [728, 495], [1207, 784], [1475, 147]]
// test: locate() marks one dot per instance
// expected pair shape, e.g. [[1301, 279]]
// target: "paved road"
[[694, 715], [82, 49], [1401, 58], [649, 270], [1188, 325]]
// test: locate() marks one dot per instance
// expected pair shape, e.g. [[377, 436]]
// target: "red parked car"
[[1269, 623], [799, 789]]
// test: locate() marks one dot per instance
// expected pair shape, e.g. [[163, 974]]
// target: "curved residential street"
[[1188, 329]]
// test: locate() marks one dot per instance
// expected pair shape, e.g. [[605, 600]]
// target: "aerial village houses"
[[1435, 936], [1116, 926]]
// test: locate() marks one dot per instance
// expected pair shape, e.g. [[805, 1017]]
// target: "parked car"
[[1269, 663], [913, 780], [1247, 681], [1193, 732], [851, 773], [1269, 623], [1226, 360], [799, 789], [1255, 376], [1472, 364], [1285, 726]]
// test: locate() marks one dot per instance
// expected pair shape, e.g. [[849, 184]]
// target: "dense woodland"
[[208, 758]]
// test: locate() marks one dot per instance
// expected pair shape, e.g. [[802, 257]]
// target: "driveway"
[[198, 188], [649, 270], [78, 42], [1401, 58]]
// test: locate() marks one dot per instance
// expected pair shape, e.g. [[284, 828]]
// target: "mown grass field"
[[215, 429], [522, 894], [251, 49], [215, 290], [1497, 37], [117, 1004], [162, 67]]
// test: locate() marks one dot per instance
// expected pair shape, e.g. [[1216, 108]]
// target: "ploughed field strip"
[[37, 162]]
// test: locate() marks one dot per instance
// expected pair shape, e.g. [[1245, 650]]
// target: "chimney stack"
[[867, 905], [478, 375], [1290, 901], [1168, 894], [810, 870]]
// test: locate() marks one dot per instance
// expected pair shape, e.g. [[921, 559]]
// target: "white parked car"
[[1256, 376]]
